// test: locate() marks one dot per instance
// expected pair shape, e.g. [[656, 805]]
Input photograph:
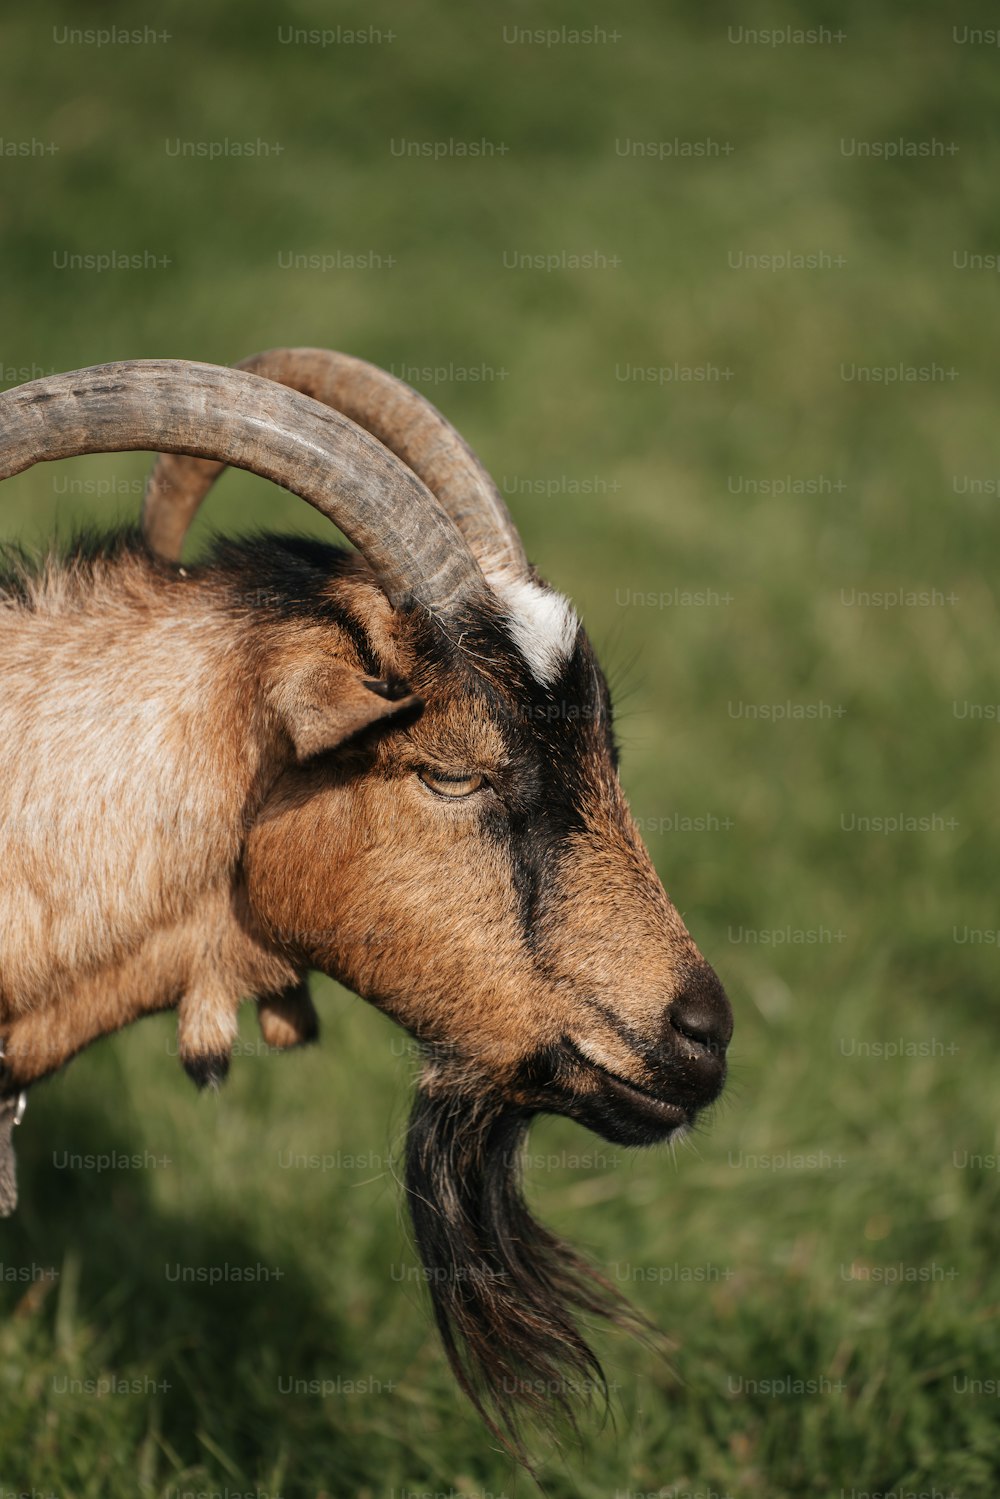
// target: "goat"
[[396, 766]]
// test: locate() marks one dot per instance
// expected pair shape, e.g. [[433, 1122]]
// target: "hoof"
[[207, 1071]]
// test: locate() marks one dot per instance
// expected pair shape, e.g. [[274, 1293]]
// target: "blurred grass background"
[[835, 944]]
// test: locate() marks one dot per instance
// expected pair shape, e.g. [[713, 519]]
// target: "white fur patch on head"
[[543, 624]]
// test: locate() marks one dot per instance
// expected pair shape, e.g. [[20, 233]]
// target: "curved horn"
[[236, 418], [390, 410]]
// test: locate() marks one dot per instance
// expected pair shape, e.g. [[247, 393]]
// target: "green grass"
[[821, 1157]]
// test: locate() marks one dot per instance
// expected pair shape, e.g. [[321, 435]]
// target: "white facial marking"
[[543, 624]]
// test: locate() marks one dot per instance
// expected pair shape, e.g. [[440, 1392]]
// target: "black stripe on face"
[[559, 748]]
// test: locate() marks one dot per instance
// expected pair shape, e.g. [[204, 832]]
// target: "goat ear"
[[322, 705]]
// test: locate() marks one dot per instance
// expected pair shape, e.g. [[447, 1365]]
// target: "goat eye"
[[443, 784]]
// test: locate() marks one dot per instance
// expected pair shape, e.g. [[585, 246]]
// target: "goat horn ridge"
[[234, 417], [399, 416]]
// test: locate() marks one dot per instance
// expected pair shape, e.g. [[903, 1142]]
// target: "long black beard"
[[506, 1293]]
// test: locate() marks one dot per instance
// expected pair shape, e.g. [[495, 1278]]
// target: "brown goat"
[[395, 766]]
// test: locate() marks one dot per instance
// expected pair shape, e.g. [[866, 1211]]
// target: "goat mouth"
[[622, 1111]]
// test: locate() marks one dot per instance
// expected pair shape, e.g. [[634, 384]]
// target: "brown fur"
[[400, 872], [202, 798], [140, 741], [123, 887]]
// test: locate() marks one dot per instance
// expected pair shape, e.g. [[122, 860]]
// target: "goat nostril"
[[702, 1014], [703, 1035]]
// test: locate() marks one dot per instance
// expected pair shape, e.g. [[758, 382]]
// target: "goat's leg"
[[288, 1017], [207, 1026], [206, 1029]]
